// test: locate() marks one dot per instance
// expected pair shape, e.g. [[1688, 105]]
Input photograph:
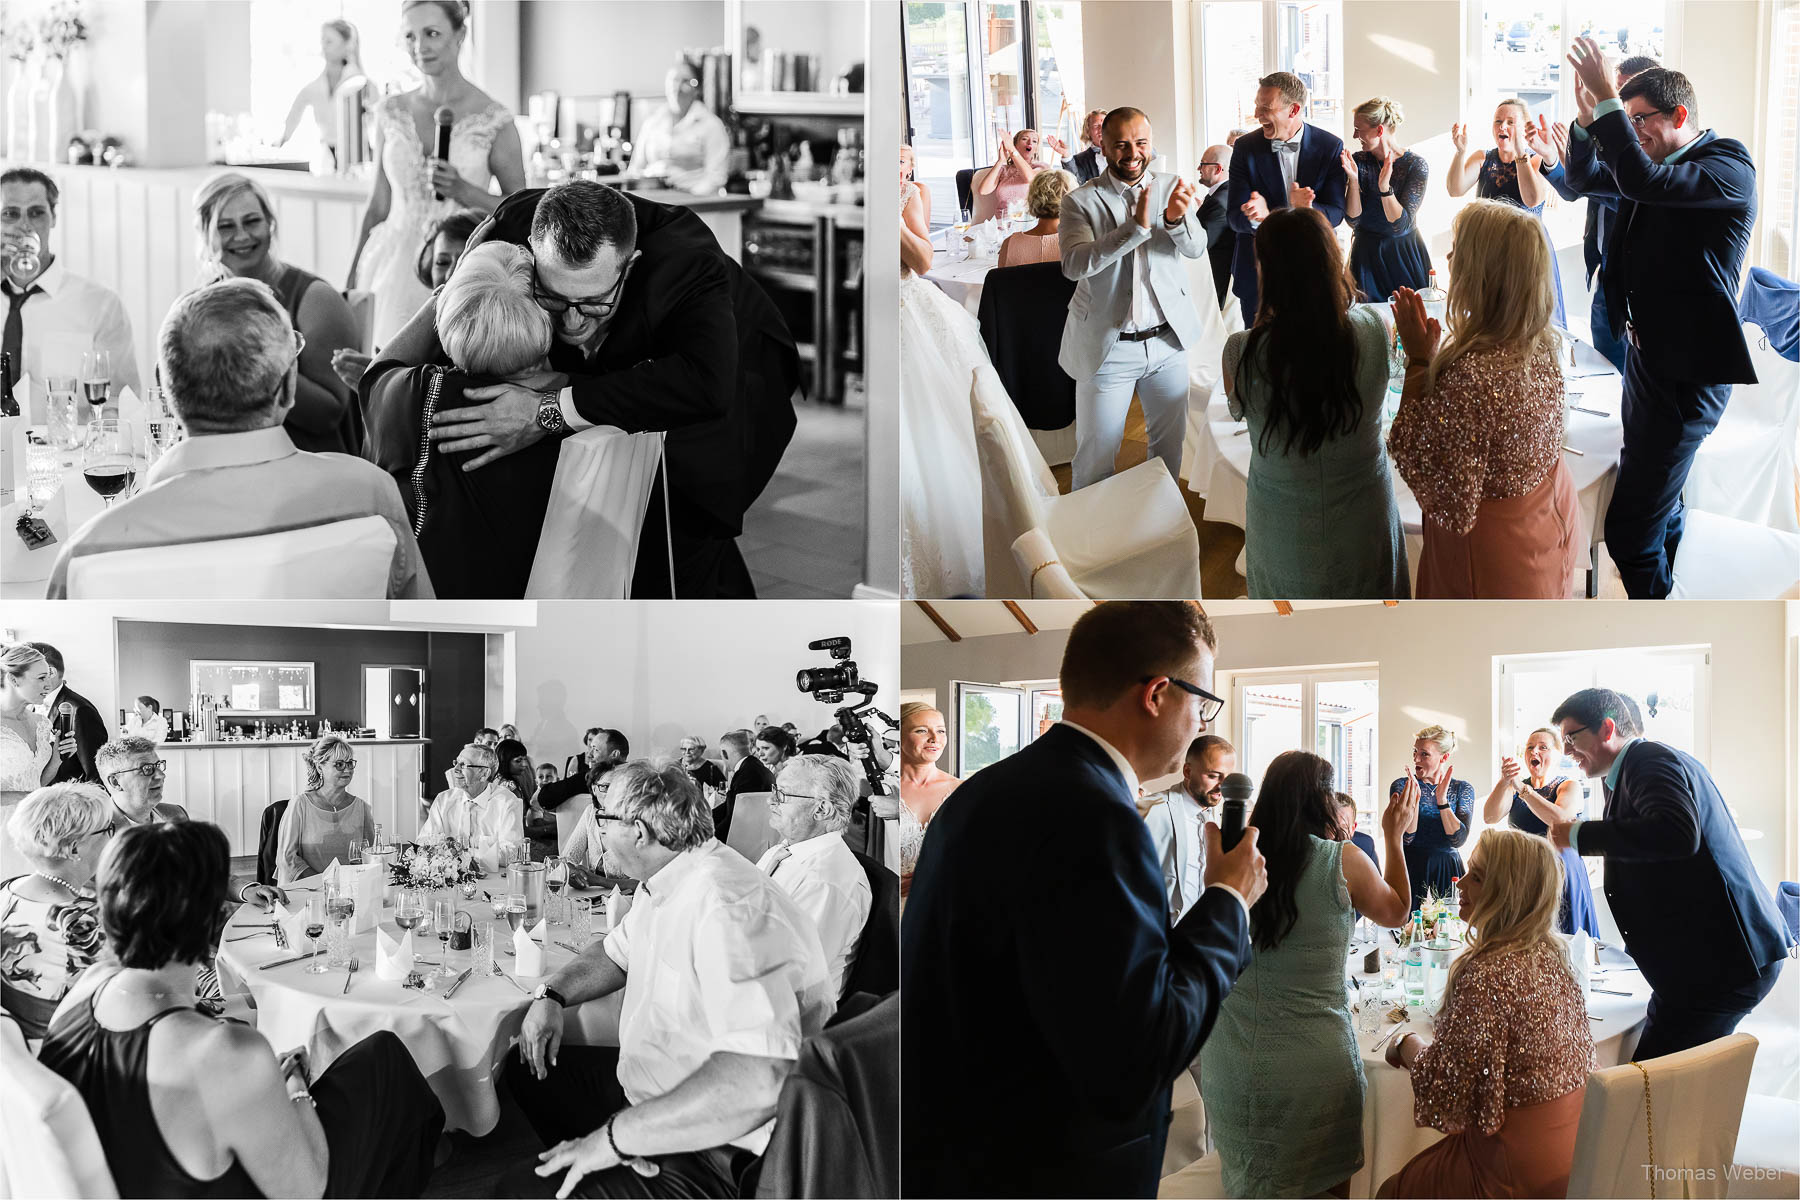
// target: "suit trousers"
[[1157, 371], [1665, 422], [1611, 348], [1672, 1026]]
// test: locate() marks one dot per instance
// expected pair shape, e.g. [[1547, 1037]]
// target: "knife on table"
[[282, 962], [458, 982]]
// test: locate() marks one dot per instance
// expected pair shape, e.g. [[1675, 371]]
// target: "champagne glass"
[[315, 925], [556, 876], [109, 460], [25, 254], [96, 379], [515, 910], [443, 917]]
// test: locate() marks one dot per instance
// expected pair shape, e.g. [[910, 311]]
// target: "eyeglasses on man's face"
[[1638, 119], [149, 770], [779, 796], [589, 306], [1210, 705]]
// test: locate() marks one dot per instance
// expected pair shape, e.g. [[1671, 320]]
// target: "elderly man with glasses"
[[809, 810], [133, 776], [478, 809], [723, 979], [229, 360], [656, 328]]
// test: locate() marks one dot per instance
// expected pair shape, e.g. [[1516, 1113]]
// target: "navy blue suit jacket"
[[1675, 246], [1254, 169], [1047, 1003], [1694, 914]]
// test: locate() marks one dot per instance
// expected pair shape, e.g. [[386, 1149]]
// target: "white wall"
[[660, 671], [1436, 664], [881, 309], [587, 49]]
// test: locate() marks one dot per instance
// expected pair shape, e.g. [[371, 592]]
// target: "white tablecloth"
[[962, 280], [1390, 1136], [1218, 466], [460, 1044]]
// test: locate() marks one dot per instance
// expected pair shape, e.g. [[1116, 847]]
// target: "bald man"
[[1215, 169]]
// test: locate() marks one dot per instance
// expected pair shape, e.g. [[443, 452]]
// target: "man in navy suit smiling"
[[1047, 1000], [1286, 163]]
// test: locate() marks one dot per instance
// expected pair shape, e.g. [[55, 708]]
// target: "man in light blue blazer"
[[1131, 320], [1176, 817]]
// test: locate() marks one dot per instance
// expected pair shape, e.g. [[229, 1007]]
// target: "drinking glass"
[[43, 473], [356, 850], [109, 460], [581, 919], [515, 910], [96, 379], [25, 254], [315, 925], [409, 908], [481, 947], [65, 423], [1368, 1016], [337, 939], [443, 917], [556, 877]]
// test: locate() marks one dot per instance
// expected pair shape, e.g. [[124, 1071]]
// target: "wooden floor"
[[803, 538], [1221, 544]]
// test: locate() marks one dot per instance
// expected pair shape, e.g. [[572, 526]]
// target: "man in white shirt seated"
[[152, 726], [53, 317], [724, 978], [477, 809], [809, 811], [1175, 819], [230, 358]]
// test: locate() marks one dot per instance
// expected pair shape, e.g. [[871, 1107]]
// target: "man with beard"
[[1176, 818], [1131, 321], [656, 329]]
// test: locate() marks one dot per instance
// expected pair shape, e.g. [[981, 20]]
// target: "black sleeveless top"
[[346, 436], [108, 1069]]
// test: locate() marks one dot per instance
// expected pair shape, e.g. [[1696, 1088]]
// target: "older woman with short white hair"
[[1442, 807], [809, 811], [47, 917], [477, 529], [322, 821]]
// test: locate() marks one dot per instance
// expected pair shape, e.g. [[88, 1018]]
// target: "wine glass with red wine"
[[96, 379], [109, 460]]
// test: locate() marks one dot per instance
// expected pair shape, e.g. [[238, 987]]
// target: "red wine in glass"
[[96, 391], [315, 932], [110, 479]]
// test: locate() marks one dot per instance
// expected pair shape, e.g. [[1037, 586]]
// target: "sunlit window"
[[1333, 714]]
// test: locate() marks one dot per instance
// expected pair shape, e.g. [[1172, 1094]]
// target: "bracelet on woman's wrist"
[[303, 1094], [612, 1141]]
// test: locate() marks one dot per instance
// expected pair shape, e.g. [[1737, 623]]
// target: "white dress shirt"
[[481, 822], [694, 153], [1146, 313], [826, 881], [717, 959], [67, 318], [156, 728], [1174, 822], [1288, 158]]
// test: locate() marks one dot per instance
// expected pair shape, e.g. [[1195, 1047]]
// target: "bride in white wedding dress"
[[940, 473], [403, 207]]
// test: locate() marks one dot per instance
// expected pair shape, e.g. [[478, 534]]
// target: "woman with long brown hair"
[[1309, 378], [1506, 1074], [1479, 434]]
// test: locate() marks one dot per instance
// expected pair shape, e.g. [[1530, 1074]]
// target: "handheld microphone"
[[445, 119], [1236, 789]]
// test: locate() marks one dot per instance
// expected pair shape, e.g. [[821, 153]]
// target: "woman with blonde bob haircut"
[[1479, 434], [477, 528], [236, 223], [1044, 197], [1505, 1077], [319, 824]]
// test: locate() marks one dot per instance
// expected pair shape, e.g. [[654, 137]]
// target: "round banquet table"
[[961, 280], [1390, 1136], [1219, 466], [460, 1044]]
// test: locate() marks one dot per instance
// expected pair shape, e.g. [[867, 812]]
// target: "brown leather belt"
[[1144, 335]]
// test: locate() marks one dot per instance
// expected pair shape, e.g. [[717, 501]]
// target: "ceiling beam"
[[943, 625], [1019, 616], [1284, 608]]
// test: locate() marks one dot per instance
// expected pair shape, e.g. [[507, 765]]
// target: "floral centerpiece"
[[432, 865], [17, 41], [62, 30]]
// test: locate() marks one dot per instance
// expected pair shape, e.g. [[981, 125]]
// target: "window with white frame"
[[1331, 712], [979, 71], [994, 720], [1671, 685], [1243, 40], [1781, 165]]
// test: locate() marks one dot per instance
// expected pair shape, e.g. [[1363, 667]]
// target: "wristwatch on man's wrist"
[[546, 992], [549, 413]]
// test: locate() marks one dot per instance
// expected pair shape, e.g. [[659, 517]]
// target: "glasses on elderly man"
[[588, 306], [782, 797], [149, 770]]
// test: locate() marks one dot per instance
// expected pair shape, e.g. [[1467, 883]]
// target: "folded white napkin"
[[132, 409], [293, 923], [617, 905], [393, 957], [1581, 957], [370, 884], [528, 948]]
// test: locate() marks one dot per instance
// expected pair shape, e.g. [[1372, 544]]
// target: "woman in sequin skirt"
[[1479, 433], [1505, 1077]]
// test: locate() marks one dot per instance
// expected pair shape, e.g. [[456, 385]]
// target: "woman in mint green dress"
[[1281, 1074]]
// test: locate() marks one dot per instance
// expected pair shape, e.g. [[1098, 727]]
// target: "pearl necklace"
[[61, 883]]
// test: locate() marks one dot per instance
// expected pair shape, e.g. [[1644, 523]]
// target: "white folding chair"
[[750, 832], [339, 560], [1749, 465], [1045, 576], [51, 1147], [362, 311], [1127, 536], [1688, 1110], [1723, 558], [598, 501], [1186, 1143]]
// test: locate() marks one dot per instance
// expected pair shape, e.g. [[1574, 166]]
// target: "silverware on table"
[[350, 974], [509, 978], [1592, 412], [569, 948], [282, 962], [1402, 1023], [1575, 452], [1609, 991], [456, 983]]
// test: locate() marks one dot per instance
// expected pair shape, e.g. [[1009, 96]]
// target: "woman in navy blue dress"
[[1538, 799], [1443, 806], [1384, 187], [1522, 168]]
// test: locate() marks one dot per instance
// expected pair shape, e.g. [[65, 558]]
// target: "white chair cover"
[[362, 311], [339, 560], [1747, 467], [1186, 1143], [588, 546], [1127, 536], [1768, 1149], [1723, 558], [1696, 1098], [568, 816], [51, 1147], [750, 832], [1045, 576]]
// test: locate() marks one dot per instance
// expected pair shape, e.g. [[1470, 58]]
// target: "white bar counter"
[[230, 783]]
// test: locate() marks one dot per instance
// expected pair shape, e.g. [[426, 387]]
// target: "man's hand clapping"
[[1243, 869], [1592, 71], [1299, 197], [1181, 198], [1256, 208], [1142, 215]]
